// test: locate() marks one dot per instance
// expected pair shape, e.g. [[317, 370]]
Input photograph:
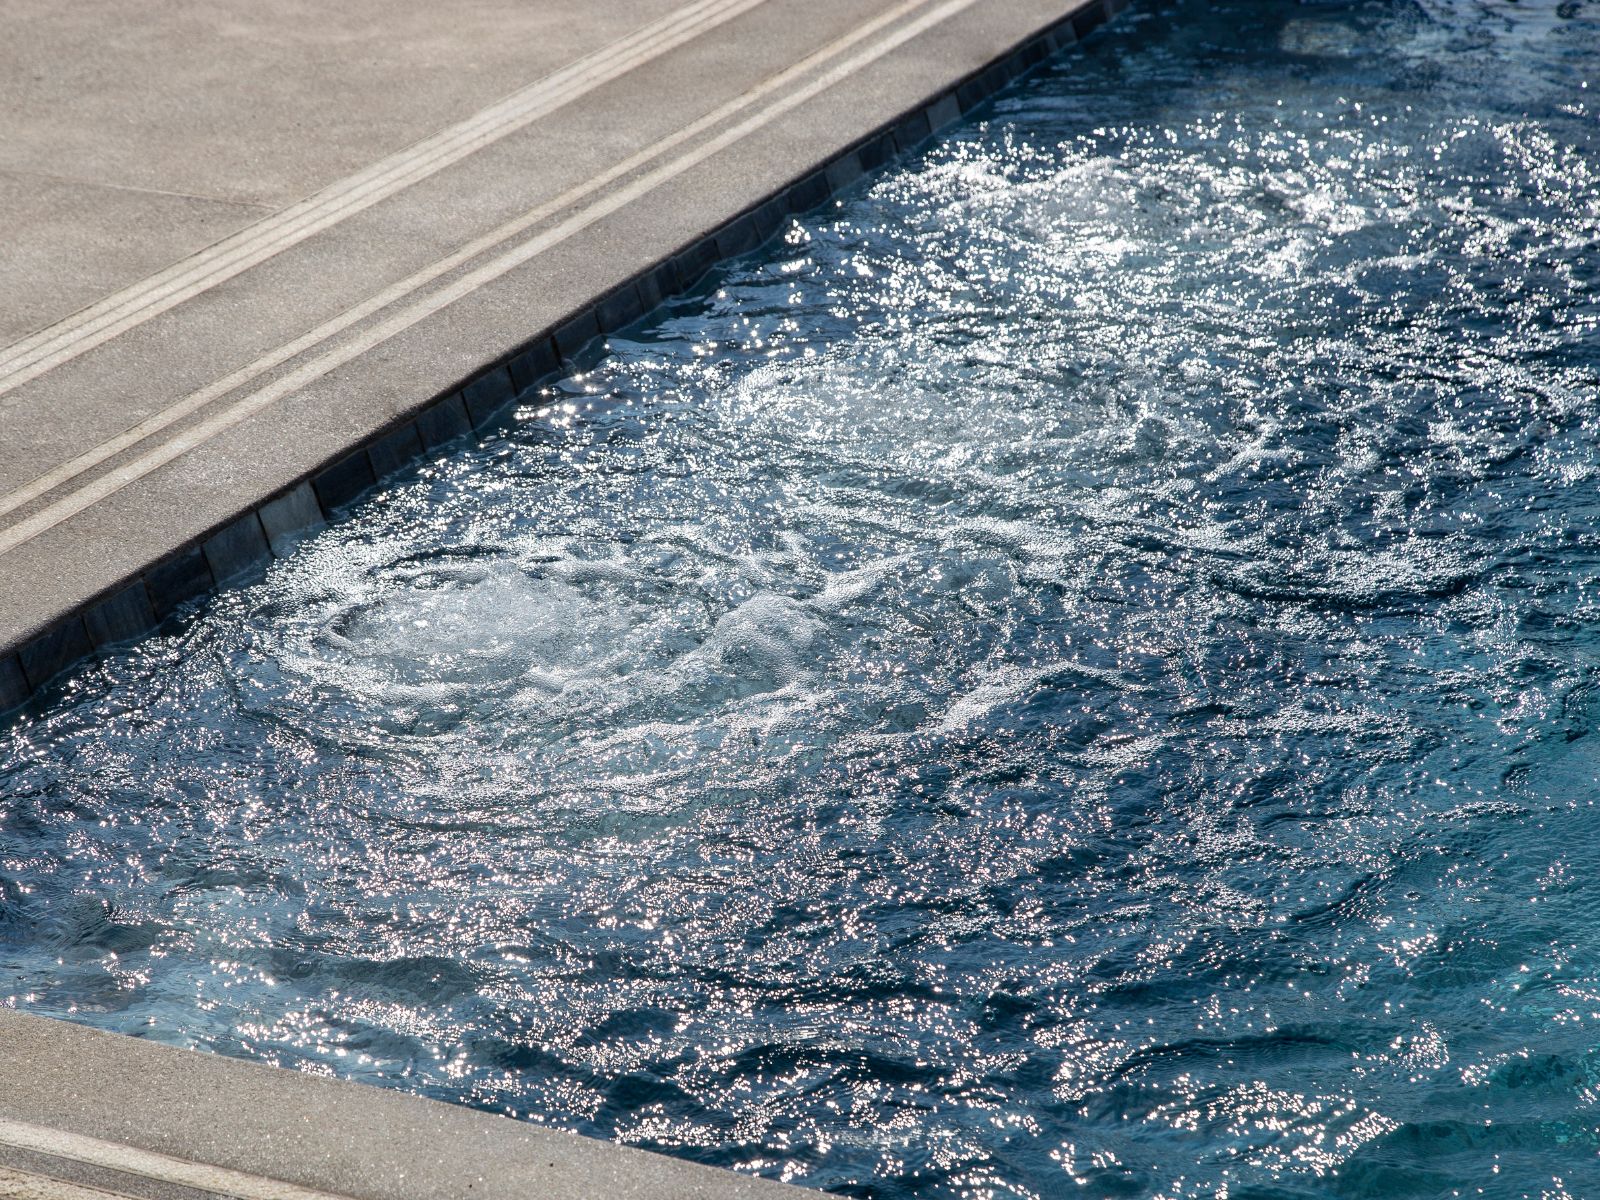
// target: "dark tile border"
[[14, 687], [175, 581], [122, 617], [239, 552], [440, 423], [395, 450], [337, 486], [241, 549], [291, 517], [54, 651], [490, 394]]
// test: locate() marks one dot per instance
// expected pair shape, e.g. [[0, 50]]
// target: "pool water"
[[1076, 673]]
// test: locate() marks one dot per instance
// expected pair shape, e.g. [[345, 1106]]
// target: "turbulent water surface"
[[1080, 666]]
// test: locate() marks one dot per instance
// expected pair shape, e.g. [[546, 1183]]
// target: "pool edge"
[[237, 550], [88, 1109]]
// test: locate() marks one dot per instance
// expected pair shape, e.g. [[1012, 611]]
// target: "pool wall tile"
[[489, 395], [810, 192], [619, 308], [341, 483], [576, 333], [238, 552], [1086, 20], [875, 152], [54, 651], [395, 451], [290, 517], [14, 688], [843, 171], [694, 263], [739, 238], [666, 279], [180, 579], [971, 94], [653, 287], [771, 217], [1001, 74], [913, 131], [1031, 55], [443, 422], [120, 617], [943, 113], [534, 365]]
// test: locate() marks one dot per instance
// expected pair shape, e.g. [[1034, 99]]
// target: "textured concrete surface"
[[100, 1110], [411, 237], [257, 256], [144, 132]]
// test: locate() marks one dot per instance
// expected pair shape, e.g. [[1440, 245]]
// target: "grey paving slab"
[[30, 1175], [337, 1138], [148, 367], [262, 101], [70, 242]]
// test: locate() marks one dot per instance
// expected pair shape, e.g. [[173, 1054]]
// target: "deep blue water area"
[[1076, 673]]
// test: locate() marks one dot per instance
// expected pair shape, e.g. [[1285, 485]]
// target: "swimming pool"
[[1076, 668]]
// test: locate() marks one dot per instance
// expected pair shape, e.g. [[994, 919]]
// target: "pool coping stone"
[[104, 1099]]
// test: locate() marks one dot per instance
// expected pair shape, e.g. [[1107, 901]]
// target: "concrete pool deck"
[[260, 256], [85, 1115]]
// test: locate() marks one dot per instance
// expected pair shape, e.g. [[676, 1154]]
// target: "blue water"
[[1076, 674]]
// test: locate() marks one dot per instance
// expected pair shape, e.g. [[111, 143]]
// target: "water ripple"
[[1072, 668]]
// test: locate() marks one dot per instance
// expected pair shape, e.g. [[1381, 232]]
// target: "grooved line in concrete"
[[130, 1161], [254, 402], [19, 1185], [117, 313]]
